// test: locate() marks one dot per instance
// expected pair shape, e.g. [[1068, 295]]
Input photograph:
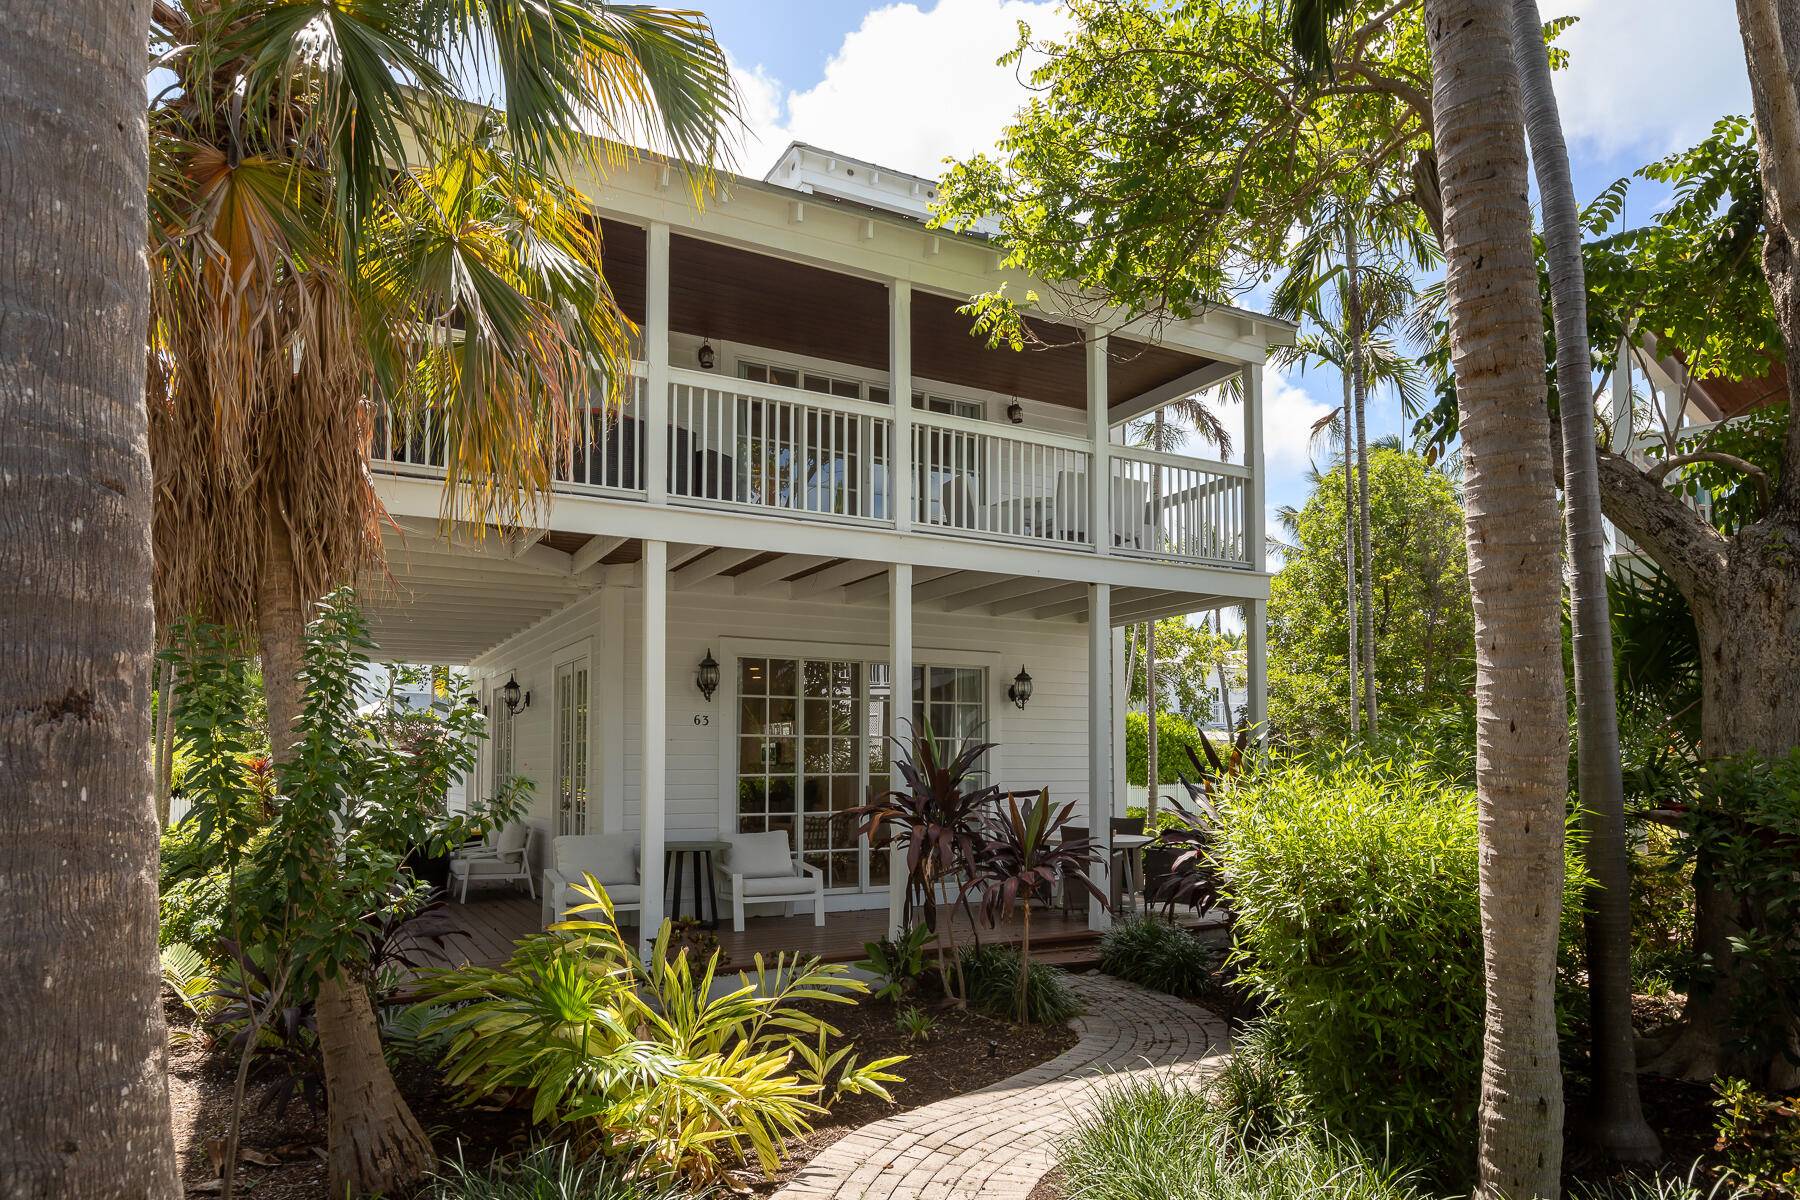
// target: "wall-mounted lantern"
[[707, 677], [1020, 690], [705, 355], [1015, 412], [515, 698]]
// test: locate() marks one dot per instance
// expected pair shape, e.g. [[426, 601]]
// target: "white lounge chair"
[[610, 858], [504, 856], [759, 868]]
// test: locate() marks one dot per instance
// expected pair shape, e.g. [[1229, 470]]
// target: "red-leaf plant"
[[1022, 856], [937, 818]]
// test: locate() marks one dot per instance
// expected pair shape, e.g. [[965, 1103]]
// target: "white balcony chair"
[[1071, 506], [956, 504], [1131, 514], [504, 856], [761, 869], [610, 858]]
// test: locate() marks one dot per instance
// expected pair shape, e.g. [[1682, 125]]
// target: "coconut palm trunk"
[[1616, 1119], [1350, 557], [1513, 531], [84, 1102], [1151, 768], [1359, 388]]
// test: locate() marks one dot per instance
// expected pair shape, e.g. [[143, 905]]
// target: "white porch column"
[[1256, 643], [900, 455], [1100, 734], [655, 427], [654, 640], [1121, 701], [900, 704], [1100, 436], [1254, 517]]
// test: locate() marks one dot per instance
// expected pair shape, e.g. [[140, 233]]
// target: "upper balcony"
[[765, 383]]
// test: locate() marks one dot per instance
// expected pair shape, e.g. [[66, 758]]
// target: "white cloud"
[[1649, 76], [1289, 414], [907, 88]]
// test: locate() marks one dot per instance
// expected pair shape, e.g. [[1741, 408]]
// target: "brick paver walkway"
[[997, 1143]]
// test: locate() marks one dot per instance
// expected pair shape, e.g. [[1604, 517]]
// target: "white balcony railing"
[[759, 446], [743, 445], [1168, 507], [992, 480]]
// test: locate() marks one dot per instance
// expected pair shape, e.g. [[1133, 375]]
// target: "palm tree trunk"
[[375, 1143], [1025, 963], [1616, 1117], [1496, 342], [1151, 768], [1359, 387], [1350, 556], [1224, 679], [84, 1101]]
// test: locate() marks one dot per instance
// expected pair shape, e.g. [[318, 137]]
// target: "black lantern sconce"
[[1020, 690], [705, 355], [515, 698], [707, 677], [1015, 412]]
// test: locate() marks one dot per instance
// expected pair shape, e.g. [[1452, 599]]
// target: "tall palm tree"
[[332, 227], [1617, 1122], [1345, 316], [84, 1101], [1513, 530]]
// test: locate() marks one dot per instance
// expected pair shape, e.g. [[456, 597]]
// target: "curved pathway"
[[997, 1143]]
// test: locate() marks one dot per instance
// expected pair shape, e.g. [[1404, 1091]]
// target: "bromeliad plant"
[[898, 964], [937, 819], [1022, 856], [639, 1055]]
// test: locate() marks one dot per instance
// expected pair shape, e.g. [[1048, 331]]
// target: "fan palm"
[[333, 226]]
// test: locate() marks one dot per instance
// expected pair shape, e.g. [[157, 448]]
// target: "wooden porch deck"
[[489, 924]]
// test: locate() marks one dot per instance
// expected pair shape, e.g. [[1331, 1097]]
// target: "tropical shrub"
[[1159, 955], [638, 1056], [1175, 736], [991, 974], [897, 965], [1354, 881], [915, 1024], [1157, 1139], [549, 1172], [1759, 1137]]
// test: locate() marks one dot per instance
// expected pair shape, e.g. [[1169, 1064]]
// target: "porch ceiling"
[[735, 295]]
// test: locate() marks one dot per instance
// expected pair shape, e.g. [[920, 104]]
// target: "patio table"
[[698, 852]]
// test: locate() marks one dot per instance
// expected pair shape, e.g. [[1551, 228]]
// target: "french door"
[[572, 747]]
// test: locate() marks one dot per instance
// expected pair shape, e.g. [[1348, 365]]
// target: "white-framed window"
[[500, 736], [572, 750], [809, 380], [812, 746]]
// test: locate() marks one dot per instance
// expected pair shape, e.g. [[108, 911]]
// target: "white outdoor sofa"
[[761, 868], [612, 859], [503, 856]]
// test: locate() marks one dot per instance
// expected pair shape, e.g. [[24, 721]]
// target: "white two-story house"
[[824, 485]]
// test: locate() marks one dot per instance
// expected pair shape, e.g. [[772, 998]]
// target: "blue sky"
[[906, 84]]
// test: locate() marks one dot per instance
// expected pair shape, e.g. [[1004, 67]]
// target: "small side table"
[[699, 853]]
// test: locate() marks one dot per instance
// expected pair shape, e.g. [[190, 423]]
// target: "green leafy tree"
[[1424, 626], [1190, 655]]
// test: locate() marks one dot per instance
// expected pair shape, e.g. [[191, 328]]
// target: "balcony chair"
[[612, 859], [503, 856], [761, 868], [956, 504], [1070, 506], [1131, 514]]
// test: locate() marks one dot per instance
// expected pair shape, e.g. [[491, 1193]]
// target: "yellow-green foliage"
[[1175, 734], [1355, 886], [640, 1058]]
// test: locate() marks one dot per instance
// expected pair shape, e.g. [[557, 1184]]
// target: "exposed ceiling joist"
[[1064, 592], [497, 546], [998, 593], [832, 578], [706, 567], [775, 571], [597, 548], [952, 583], [871, 590]]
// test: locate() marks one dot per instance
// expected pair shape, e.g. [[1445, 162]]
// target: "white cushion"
[[759, 854], [607, 858], [511, 839], [780, 885], [488, 866], [619, 893]]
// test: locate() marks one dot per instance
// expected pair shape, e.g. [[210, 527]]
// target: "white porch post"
[[1100, 436], [1256, 663], [655, 427], [1256, 612], [655, 642], [1121, 700], [900, 454], [900, 665], [1100, 734]]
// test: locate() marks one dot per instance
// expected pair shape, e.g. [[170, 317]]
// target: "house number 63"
[[703, 718]]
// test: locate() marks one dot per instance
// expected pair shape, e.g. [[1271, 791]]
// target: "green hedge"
[[1174, 734], [1355, 886]]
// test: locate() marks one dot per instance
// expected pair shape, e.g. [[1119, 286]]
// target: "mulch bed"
[[284, 1152]]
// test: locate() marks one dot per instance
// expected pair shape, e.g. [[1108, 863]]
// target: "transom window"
[[854, 389]]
